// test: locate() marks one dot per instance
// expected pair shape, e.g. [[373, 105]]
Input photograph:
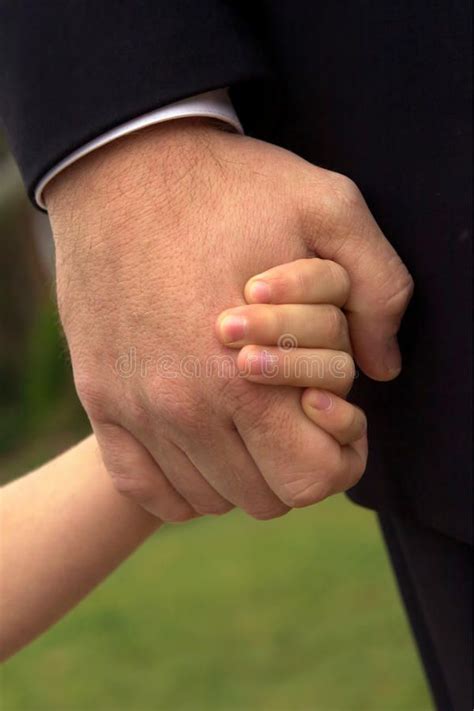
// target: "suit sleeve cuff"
[[212, 104]]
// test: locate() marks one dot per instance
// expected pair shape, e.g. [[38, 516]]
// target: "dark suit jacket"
[[377, 89]]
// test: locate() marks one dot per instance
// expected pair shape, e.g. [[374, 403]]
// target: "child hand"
[[293, 332]]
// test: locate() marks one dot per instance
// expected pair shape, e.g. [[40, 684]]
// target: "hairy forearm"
[[64, 528]]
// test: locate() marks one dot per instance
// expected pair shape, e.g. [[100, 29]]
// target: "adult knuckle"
[[133, 486], [178, 513], [330, 198], [93, 396], [304, 490], [398, 289], [346, 190], [340, 197], [214, 507], [357, 472], [398, 300], [266, 513]]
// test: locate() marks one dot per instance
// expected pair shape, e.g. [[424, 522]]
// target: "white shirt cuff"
[[212, 104]]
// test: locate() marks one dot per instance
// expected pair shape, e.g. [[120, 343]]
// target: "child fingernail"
[[233, 328], [260, 291], [320, 400]]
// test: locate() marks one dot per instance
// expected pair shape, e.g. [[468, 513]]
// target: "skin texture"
[[63, 529], [155, 236], [313, 332]]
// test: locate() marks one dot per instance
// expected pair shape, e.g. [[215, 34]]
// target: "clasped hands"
[[293, 332], [156, 236]]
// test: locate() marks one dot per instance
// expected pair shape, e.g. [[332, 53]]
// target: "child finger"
[[301, 367], [304, 281], [302, 325]]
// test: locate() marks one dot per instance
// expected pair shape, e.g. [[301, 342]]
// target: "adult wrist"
[[152, 158]]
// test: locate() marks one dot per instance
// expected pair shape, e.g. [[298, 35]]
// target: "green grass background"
[[297, 614]]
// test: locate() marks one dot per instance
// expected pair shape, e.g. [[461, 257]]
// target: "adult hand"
[[155, 235]]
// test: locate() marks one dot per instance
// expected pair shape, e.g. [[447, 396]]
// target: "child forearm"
[[63, 529]]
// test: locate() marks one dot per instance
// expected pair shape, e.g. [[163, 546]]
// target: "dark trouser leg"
[[434, 576]]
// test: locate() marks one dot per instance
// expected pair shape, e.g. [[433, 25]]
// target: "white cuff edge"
[[212, 104]]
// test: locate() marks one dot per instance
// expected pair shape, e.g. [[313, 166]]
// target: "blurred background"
[[297, 614]]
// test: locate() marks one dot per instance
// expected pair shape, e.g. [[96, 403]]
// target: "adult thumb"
[[381, 285]]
